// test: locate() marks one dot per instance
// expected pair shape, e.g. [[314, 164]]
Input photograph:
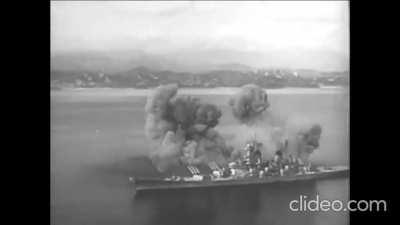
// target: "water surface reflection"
[[234, 205]]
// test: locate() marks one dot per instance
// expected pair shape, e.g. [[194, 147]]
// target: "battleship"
[[248, 170]]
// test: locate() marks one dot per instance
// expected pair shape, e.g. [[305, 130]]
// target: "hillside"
[[143, 77]]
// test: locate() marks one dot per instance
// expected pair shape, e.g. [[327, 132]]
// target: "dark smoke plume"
[[181, 129], [303, 138], [249, 103], [295, 136]]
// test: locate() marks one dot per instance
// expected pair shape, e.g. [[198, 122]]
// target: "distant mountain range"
[[197, 61], [189, 68]]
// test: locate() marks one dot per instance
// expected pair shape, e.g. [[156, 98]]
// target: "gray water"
[[96, 145]]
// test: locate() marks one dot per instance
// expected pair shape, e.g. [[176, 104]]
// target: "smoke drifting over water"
[[182, 129], [294, 136], [249, 103], [303, 137]]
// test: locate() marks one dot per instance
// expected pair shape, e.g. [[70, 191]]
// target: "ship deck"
[[145, 184]]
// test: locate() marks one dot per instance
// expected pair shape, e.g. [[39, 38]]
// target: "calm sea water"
[[97, 143]]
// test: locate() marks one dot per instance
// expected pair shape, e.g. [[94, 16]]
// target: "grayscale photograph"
[[200, 112]]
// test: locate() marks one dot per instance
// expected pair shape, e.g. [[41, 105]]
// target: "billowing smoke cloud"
[[249, 106], [181, 129], [295, 136], [157, 109], [303, 138], [249, 103]]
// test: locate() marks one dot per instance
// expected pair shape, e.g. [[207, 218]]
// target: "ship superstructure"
[[248, 169]]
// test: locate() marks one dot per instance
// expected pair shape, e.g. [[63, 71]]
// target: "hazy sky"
[[162, 27]]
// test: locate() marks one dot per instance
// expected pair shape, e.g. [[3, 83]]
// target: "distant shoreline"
[[95, 93]]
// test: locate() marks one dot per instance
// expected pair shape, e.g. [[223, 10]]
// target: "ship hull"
[[147, 184]]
